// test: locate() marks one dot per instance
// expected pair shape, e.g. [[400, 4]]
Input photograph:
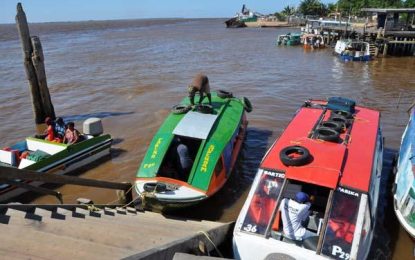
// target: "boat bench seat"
[[51, 148]]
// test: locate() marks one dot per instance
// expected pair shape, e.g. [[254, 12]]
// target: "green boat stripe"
[[78, 156]]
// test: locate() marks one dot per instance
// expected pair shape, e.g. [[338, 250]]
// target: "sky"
[[82, 10]]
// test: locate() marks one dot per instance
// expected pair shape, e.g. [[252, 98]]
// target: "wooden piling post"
[[385, 49], [35, 71], [38, 64]]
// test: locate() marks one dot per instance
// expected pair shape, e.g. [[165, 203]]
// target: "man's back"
[[292, 214]]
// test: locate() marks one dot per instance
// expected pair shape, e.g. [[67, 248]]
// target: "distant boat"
[[313, 26], [312, 41], [211, 137], [404, 186], [44, 156], [289, 39], [333, 151], [354, 50], [239, 20]]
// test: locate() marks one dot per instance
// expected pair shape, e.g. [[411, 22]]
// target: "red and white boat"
[[332, 150]]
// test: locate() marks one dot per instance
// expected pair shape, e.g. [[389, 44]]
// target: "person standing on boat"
[[294, 213], [200, 83]]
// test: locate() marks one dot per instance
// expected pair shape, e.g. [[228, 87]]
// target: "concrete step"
[[108, 236]]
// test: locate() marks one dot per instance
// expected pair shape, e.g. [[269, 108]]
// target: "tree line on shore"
[[341, 7]]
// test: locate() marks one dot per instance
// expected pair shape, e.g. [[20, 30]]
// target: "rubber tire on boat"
[[180, 109], [327, 134], [224, 94], [155, 186], [303, 158], [247, 104], [340, 119], [204, 108], [342, 113], [338, 127]]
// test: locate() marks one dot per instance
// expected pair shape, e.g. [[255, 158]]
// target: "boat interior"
[[171, 166], [318, 198], [28, 152]]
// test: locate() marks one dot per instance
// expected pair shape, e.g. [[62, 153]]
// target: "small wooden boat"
[[212, 137], [332, 150], [289, 39], [353, 50], [44, 156], [404, 186]]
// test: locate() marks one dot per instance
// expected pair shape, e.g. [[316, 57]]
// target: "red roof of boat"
[[347, 164]]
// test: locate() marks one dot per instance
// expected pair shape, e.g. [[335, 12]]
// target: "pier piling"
[[35, 71]]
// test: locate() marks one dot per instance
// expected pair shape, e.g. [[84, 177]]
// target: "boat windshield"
[[341, 224], [268, 186]]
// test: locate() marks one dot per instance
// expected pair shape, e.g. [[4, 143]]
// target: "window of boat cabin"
[[341, 224], [268, 186]]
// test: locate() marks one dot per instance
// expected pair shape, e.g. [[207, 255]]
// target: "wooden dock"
[[74, 232]]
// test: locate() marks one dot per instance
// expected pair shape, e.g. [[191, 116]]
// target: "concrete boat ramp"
[[99, 232]]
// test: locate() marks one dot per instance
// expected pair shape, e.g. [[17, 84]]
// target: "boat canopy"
[[195, 125]]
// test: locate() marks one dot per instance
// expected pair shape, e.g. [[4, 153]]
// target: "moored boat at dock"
[[354, 50], [331, 150], [208, 137], [289, 39], [404, 186], [312, 41], [51, 157]]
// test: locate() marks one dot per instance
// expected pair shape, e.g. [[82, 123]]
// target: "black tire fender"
[[247, 104], [336, 126], [180, 109], [302, 155], [204, 108], [224, 94], [340, 119], [342, 113], [155, 187], [327, 134]]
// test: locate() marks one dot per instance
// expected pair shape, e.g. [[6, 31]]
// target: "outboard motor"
[[93, 126]]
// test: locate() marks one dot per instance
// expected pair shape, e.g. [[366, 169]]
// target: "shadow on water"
[[214, 208], [97, 114], [385, 227]]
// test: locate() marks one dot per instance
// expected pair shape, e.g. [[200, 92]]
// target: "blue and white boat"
[[404, 186], [353, 50]]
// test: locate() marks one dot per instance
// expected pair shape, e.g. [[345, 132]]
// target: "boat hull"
[[342, 174], [404, 186], [65, 163], [216, 141]]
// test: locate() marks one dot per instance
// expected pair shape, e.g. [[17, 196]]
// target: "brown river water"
[[130, 74]]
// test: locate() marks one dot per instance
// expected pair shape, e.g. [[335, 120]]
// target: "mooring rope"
[[210, 240]]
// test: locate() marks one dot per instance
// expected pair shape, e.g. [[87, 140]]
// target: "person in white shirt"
[[293, 214]]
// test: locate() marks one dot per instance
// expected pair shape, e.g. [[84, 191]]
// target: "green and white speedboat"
[[213, 136], [44, 156]]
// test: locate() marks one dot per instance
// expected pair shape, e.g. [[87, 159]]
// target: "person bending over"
[[200, 83]]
